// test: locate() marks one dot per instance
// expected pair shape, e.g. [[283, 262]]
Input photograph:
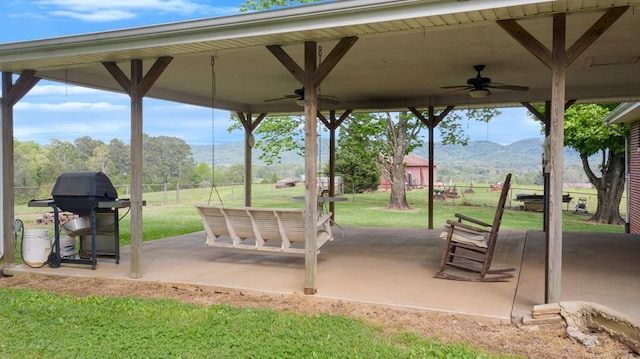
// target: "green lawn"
[[164, 216], [62, 326], [35, 324]]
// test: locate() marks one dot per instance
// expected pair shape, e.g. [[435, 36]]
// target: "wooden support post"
[[311, 77], [135, 271], [137, 87], [7, 173], [431, 122], [310, 168], [249, 125], [431, 163], [11, 94], [332, 125], [558, 77], [557, 59]]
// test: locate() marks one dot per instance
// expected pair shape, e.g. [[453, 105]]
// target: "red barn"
[[416, 173]]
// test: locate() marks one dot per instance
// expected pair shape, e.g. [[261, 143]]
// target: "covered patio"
[[393, 268], [378, 55]]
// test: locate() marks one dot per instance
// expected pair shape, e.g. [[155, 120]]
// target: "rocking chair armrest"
[[466, 227], [462, 217]]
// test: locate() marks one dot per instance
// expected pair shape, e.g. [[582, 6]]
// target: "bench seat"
[[260, 228]]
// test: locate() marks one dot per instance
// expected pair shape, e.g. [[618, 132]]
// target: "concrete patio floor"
[[394, 267]]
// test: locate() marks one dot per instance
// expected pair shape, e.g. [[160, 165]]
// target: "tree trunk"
[[610, 187], [398, 198]]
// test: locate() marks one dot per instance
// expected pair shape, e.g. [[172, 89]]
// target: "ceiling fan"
[[479, 86], [298, 95]]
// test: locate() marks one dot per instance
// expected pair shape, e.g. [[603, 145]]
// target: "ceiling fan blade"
[[281, 98], [456, 87], [508, 87]]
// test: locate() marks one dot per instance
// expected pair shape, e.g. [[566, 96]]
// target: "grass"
[[36, 324], [165, 217], [62, 326]]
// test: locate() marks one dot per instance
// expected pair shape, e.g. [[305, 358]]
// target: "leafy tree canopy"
[[251, 5], [586, 132]]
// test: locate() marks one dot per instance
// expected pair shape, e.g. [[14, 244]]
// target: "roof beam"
[[153, 74], [527, 40], [25, 82], [540, 51], [289, 63], [323, 69], [334, 57], [594, 32]]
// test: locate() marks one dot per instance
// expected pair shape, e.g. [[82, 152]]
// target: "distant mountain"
[[479, 160], [233, 153]]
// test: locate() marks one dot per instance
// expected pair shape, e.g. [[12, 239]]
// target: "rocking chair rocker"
[[474, 243]]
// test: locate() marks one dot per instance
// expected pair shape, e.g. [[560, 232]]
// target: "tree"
[[251, 5], [279, 133], [85, 147], [355, 167], [30, 159], [166, 159], [119, 157], [61, 157], [386, 139], [586, 132]]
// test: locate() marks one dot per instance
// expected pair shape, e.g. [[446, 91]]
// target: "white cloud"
[[47, 90], [96, 16], [69, 106], [114, 10]]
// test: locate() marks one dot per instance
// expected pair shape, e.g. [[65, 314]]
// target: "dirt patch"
[[529, 343]]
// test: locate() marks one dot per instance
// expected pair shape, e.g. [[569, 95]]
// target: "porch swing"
[[255, 228]]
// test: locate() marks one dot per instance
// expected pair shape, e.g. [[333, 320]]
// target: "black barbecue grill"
[[80, 192], [87, 194]]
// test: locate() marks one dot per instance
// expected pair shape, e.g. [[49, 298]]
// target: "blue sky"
[[57, 111]]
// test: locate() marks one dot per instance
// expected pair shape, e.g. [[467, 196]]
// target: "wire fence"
[[578, 199]]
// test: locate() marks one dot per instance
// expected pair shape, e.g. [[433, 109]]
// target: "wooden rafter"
[[594, 32], [333, 58], [544, 117], [540, 51], [289, 63], [528, 41], [323, 70], [146, 82], [153, 74], [248, 123], [431, 121], [24, 83]]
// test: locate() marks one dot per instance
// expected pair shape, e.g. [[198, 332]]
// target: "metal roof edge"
[[623, 113], [299, 18]]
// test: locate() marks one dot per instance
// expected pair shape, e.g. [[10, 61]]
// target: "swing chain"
[[213, 132]]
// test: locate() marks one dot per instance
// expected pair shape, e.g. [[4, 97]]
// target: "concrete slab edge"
[[483, 319], [597, 317]]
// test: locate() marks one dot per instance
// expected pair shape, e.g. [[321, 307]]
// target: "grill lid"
[[79, 192]]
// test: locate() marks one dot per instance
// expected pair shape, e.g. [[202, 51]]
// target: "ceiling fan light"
[[479, 93], [300, 102]]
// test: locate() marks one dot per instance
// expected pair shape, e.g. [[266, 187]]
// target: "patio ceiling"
[[405, 52]]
